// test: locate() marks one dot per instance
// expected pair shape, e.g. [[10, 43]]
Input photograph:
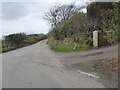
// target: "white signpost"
[[95, 38]]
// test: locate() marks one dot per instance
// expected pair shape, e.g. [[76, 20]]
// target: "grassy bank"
[[16, 41], [76, 32]]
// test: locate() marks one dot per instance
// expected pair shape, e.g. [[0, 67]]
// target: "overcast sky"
[[27, 17]]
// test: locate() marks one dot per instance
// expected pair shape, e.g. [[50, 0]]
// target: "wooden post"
[[95, 38]]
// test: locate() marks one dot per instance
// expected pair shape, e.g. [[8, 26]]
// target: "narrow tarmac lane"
[[36, 66]]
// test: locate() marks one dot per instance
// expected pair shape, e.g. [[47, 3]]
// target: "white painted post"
[[95, 38]]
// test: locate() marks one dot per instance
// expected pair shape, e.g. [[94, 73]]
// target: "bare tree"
[[52, 15], [59, 13]]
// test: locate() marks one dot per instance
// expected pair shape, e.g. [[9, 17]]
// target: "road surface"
[[37, 66]]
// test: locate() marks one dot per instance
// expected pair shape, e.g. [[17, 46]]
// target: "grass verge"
[[66, 47]]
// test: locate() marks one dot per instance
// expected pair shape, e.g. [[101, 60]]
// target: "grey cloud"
[[14, 10], [25, 16]]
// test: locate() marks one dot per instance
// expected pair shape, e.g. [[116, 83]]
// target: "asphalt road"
[[36, 66]]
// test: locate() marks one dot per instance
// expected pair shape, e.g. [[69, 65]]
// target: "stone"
[[95, 38]]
